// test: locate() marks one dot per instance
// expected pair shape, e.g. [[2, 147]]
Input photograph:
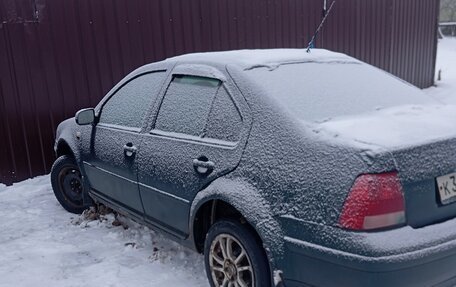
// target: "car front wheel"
[[234, 257], [68, 185]]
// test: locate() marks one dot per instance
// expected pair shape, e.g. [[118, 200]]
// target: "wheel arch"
[[66, 144], [63, 148], [248, 203]]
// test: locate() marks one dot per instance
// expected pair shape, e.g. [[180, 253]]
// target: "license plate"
[[447, 188]]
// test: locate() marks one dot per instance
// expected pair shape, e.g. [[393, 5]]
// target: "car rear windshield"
[[320, 91]]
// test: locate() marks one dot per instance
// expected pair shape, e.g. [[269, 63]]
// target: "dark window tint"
[[128, 106], [224, 122], [186, 105]]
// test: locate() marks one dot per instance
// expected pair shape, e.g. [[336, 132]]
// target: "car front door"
[[199, 134], [110, 153]]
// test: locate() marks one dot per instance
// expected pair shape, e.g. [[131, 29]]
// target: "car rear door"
[[199, 134], [109, 155]]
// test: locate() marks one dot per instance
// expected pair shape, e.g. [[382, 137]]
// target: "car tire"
[[68, 184], [251, 268]]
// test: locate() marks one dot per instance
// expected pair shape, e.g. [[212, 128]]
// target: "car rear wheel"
[[234, 257], [68, 185]]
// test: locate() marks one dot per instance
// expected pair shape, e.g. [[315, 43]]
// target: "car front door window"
[[128, 106]]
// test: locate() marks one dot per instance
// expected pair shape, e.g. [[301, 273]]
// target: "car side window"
[[224, 121], [186, 105], [128, 106]]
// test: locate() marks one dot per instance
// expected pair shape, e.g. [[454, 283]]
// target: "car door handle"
[[130, 149], [203, 166]]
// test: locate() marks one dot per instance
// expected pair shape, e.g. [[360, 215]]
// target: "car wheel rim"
[[229, 263], [70, 181]]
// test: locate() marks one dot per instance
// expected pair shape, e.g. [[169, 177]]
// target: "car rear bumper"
[[427, 258]]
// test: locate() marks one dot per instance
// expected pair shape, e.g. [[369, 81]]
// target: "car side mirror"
[[85, 117]]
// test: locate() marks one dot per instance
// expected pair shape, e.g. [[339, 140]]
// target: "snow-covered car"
[[281, 166]]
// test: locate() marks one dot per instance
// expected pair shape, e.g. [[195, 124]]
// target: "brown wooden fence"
[[57, 56]]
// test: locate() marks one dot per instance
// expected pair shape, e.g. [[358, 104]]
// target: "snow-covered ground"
[[43, 245], [445, 89]]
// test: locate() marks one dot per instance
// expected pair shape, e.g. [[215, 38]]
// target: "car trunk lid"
[[422, 142]]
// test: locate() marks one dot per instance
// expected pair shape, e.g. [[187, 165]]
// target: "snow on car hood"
[[394, 127]]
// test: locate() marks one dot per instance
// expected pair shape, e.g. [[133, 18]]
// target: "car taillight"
[[375, 201]]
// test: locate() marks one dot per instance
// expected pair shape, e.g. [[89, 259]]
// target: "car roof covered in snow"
[[249, 59]]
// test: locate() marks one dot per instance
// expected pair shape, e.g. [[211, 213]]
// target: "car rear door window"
[[224, 121], [186, 105], [128, 106]]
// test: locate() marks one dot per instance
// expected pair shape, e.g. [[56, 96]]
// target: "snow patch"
[[395, 127], [445, 90], [51, 246]]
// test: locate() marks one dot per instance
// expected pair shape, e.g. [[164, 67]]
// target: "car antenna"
[[325, 15]]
